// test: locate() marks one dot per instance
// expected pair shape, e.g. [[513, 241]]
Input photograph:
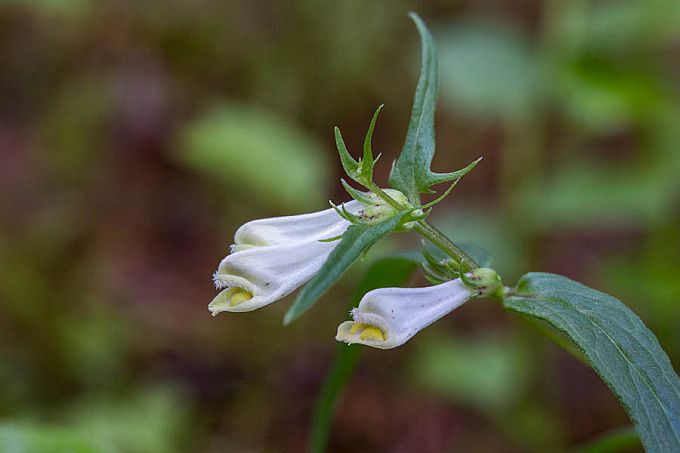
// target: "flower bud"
[[376, 210], [484, 281], [389, 317]]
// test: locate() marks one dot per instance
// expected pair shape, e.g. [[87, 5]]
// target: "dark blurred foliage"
[[135, 137]]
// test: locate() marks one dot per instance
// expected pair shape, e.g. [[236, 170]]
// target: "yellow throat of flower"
[[368, 332], [238, 297]]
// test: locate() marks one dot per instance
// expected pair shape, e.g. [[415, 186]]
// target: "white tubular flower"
[[272, 257], [389, 317], [295, 228]]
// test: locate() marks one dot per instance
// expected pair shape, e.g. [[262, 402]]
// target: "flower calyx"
[[360, 170], [376, 208], [484, 281]]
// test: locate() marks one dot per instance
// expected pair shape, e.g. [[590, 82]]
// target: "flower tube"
[[314, 226], [389, 317]]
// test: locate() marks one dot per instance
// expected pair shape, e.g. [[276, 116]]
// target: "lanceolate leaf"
[[355, 241], [625, 354], [411, 173]]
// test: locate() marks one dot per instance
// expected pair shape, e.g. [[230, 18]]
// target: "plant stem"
[[346, 361], [430, 232]]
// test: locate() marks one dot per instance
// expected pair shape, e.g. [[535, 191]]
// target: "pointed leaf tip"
[[368, 161], [437, 178], [411, 171]]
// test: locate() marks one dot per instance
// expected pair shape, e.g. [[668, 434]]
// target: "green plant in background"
[[273, 257], [226, 144]]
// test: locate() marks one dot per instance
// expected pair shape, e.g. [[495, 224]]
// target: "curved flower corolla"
[[314, 226], [272, 257], [389, 317]]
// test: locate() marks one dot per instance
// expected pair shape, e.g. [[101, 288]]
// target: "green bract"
[[411, 172], [362, 170]]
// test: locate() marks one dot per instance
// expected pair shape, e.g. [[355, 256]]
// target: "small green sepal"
[[333, 239], [362, 197], [438, 269], [345, 214]]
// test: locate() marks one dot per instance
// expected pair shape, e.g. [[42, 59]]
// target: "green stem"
[[393, 270], [618, 439], [382, 194], [345, 363], [430, 232]]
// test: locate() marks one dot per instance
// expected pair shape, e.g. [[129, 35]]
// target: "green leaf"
[[392, 270], [584, 193], [148, 420], [356, 241], [252, 152], [617, 440], [489, 373], [30, 438], [488, 70], [411, 173], [69, 11], [625, 354]]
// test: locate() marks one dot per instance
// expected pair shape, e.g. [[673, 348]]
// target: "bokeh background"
[[135, 137]]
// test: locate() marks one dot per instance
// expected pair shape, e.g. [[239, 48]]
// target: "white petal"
[[268, 273], [281, 230], [272, 257], [400, 313]]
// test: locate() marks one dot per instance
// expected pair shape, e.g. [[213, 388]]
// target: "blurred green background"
[[135, 137]]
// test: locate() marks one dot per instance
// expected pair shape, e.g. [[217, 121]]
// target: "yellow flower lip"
[[238, 296], [234, 298], [372, 334], [367, 332]]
